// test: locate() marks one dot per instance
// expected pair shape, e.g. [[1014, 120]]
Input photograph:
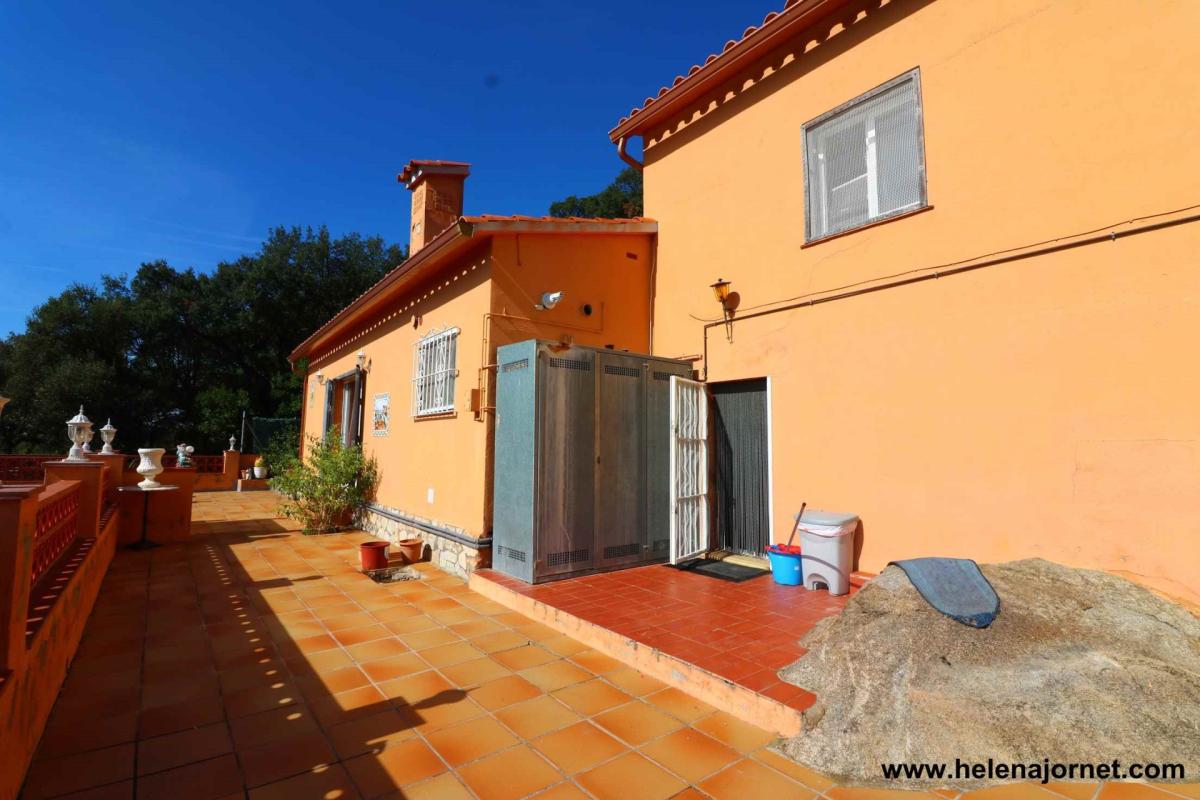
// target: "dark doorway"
[[743, 512]]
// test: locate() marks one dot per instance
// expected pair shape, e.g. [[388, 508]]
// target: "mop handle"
[[796, 527]]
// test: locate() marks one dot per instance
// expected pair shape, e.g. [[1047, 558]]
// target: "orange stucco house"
[[960, 243], [408, 369]]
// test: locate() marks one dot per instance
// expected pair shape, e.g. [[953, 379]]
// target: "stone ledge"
[[450, 549]]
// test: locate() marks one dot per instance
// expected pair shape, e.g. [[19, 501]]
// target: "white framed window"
[[434, 371], [864, 161]]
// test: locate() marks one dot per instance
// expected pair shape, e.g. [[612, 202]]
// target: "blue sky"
[[183, 131]]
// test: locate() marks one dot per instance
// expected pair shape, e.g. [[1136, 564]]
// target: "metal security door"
[[620, 460], [689, 469], [743, 514]]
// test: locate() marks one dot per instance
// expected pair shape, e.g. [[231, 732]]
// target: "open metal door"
[[689, 469]]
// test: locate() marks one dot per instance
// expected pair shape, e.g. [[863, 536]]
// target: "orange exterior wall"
[[1042, 407], [481, 294]]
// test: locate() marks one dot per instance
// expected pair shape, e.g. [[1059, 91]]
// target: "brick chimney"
[[437, 198]]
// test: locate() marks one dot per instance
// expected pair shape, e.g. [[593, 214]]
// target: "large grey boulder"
[[1080, 666]]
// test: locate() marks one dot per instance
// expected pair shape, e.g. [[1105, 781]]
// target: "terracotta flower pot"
[[373, 555], [411, 550]]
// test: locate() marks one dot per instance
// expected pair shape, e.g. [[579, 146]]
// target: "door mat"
[[722, 570]]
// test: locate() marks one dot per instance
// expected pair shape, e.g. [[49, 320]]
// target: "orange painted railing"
[[21, 468], [54, 529]]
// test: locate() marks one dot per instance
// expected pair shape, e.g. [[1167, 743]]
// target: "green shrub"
[[323, 490]]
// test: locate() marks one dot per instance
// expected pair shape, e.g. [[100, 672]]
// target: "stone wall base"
[[445, 551]]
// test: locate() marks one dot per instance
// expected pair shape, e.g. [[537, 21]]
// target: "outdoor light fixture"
[[320, 377], [107, 434], [728, 304], [721, 291], [361, 359], [79, 431], [549, 301]]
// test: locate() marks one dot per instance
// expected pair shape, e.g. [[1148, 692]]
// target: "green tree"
[[176, 355], [621, 198]]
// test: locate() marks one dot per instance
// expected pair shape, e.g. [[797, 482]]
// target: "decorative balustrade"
[[54, 529], [24, 468]]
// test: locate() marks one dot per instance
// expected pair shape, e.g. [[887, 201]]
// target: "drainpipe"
[[628, 159]]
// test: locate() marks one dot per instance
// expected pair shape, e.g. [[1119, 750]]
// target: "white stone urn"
[[150, 466]]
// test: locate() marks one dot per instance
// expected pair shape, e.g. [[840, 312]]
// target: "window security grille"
[[434, 371], [865, 160]]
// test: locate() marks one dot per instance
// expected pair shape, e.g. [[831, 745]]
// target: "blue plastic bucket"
[[785, 566]]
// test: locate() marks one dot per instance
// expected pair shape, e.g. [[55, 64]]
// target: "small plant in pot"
[[323, 491], [260, 467]]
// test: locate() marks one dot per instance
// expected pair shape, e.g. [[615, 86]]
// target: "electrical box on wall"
[[582, 459]]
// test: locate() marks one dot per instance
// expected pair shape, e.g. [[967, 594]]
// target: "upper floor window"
[[434, 371], [865, 160]]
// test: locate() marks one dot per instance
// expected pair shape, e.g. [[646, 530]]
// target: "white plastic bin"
[[827, 549]]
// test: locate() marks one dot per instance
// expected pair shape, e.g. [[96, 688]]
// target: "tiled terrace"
[[254, 662]]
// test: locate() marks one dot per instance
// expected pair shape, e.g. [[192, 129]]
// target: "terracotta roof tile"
[[752, 36]]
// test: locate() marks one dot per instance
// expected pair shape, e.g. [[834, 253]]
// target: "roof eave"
[[790, 22]]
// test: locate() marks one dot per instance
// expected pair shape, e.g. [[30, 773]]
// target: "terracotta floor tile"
[[592, 697], [637, 722], [257, 699], [330, 783], [564, 646], [177, 749], [1016, 791], [284, 758], [340, 680], [680, 704], [509, 774], [394, 611], [326, 661], [113, 791], [354, 619], [535, 717], [563, 791], [1191, 790], [409, 625], [578, 747], [395, 667], [555, 675], [476, 627], [73, 773], [633, 682], [596, 662], [203, 780], [348, 637], [739, 735], [370, 734], [404, 763], [443, 710], [501, 640], [311, 644], [690, 754], [466, 742], [444, 787], [75, 735], [863, 793], [180, 716], [748, 778], [431, 637], [630, 777], [449, 654], [415, 689], [477, 671], [377, 649], [346, 706], [270, 726], [798, 772], [504, 692], [529, 655]]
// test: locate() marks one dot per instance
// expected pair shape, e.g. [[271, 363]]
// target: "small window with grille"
[[865, 160], [434, 371]]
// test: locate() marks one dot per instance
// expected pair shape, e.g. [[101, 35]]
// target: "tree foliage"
[[324, 489], [175, 355], [621, 198]]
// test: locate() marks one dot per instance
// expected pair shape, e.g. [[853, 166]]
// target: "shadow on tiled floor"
[[257, 662]]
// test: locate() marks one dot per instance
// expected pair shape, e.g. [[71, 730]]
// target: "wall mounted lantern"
[[320, 377], [360, 360], [728, 301], [79, 431], [107, 434]]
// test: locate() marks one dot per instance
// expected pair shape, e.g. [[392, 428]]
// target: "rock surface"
[[1079, 666]]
